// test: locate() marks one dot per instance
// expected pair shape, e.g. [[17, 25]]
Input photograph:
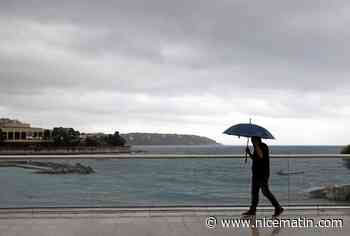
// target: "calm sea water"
[[235, 149], [140, 182]]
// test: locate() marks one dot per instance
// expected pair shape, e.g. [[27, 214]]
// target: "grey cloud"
[[268, 58], [255, 36]]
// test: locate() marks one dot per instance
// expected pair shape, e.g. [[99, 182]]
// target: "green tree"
[[92, 141], [115, 139], [47, 134], [65, 136], [2, 138], [346, 150]]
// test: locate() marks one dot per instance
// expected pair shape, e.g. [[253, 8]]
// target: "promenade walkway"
[[163, 221]]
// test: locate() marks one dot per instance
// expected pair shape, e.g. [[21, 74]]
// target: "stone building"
[[14, 131]]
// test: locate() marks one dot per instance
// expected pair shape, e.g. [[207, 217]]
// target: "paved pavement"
[[167, 221]]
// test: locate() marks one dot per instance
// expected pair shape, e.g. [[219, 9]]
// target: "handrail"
[[162, 156]]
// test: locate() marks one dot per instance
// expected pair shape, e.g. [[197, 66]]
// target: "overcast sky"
[[184, 66]]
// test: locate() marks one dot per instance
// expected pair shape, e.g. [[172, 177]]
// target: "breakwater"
[[41, 167]]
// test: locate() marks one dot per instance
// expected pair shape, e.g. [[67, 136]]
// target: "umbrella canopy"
[[249, 130]]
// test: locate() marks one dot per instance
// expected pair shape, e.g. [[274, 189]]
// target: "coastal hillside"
[[166, 139]]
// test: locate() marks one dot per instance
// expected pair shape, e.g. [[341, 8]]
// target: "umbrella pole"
[[246, 154]]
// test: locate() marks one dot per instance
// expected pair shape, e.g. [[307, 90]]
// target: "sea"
[[140, 182]]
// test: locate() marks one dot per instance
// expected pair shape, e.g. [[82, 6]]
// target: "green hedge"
[[346, 150]]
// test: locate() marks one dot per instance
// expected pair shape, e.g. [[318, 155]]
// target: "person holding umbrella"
[[260, 177], [260, 166]]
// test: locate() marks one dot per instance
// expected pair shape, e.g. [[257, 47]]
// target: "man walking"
[[260, 177]]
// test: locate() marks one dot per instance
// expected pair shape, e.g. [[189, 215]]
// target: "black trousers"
[[261, 182]]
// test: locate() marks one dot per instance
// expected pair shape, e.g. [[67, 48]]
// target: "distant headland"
[[166, 139]]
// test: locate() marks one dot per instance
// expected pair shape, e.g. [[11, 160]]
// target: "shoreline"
[[66, 151]]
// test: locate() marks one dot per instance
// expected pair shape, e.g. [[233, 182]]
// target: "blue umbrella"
[[249, 130]]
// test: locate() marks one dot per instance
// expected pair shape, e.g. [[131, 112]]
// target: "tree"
[[47, 134], [2, 138], [346, 150], [65, 136], [92, 141], [115, 139]]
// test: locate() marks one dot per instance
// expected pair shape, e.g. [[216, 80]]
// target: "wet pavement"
[[173, 221]]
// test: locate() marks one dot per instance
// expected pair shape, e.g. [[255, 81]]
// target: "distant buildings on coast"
[[14, 131]]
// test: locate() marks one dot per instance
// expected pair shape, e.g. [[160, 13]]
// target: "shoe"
[[249, 213], [278, 211]]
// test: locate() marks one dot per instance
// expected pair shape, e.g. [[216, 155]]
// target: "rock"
[[317, 192], [79, 168], [332, 192], [338, 193], [67, 169]]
